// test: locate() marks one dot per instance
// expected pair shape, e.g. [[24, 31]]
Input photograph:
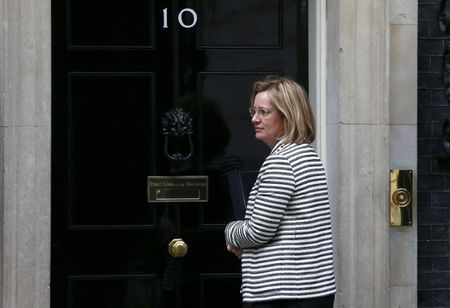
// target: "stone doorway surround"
[[25, 92], [368, 111], [371, 127]]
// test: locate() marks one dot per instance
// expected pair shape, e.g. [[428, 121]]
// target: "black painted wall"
[[433, 166]]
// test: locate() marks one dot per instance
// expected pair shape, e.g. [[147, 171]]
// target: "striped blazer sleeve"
[[275, 189]]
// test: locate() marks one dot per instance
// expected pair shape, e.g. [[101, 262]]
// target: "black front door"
[[118, 67]]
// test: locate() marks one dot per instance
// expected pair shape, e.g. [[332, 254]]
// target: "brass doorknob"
[[178, 248]]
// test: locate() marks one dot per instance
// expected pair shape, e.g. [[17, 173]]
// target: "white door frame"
[[317, 42]]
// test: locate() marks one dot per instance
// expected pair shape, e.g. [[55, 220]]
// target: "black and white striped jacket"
[[286, 234]]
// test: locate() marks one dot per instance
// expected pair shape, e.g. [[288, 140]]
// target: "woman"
[[285, 240]]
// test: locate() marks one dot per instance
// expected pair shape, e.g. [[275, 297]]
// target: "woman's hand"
[[235, 250]]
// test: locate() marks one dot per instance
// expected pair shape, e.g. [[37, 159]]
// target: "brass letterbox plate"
[[400, 197], [162, 189]]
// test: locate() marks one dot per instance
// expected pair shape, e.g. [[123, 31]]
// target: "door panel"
[[257, 23], [112, 291], [110, 147], [110, 24], [116, 70]]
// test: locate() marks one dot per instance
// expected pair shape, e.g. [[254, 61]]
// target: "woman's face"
[[267, 121]]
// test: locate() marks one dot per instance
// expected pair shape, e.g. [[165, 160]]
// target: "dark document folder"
[[240, 183]]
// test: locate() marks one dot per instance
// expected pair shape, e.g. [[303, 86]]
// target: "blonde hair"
[[291, 101]]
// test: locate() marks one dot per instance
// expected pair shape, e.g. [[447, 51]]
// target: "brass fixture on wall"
[[400, 197]]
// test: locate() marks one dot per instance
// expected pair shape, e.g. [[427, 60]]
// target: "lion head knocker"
[[177, 131]]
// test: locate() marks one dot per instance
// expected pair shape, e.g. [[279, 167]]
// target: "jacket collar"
[[280, 144]]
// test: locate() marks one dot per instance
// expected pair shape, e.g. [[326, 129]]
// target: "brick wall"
[[433, 172]]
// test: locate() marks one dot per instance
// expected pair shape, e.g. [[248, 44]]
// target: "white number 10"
[[180, 18]]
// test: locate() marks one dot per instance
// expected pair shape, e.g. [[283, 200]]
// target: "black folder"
[[240, 184]]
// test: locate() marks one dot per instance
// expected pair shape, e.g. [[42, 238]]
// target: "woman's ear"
[[284, 125]]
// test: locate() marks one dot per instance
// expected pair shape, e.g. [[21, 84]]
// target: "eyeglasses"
[[261, 112]]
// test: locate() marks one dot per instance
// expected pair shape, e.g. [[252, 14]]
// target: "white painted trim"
[[317, 41]]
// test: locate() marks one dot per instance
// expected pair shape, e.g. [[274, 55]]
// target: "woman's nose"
[[255, 118]]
